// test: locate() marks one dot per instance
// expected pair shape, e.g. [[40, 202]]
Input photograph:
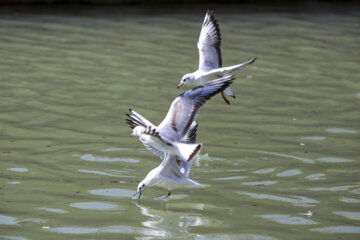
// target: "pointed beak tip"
[[179, 86]]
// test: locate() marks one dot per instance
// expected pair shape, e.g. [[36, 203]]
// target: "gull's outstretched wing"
[[185, 108], [209, 44]]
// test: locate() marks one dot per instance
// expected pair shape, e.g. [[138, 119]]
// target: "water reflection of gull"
[[169, 224]]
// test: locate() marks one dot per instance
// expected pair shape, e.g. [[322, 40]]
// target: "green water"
[[289, 142]]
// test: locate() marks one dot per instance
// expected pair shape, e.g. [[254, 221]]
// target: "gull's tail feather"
[[136, 119], [188, 151], [232, 69]]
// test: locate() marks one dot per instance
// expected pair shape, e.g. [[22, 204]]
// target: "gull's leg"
[[165, 196], [223, 96]]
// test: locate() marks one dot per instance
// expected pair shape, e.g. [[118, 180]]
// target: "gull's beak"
[[138, 192], [131, 135], [179, 86]]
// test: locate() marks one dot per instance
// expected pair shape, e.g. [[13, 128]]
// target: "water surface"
[[288, 143]]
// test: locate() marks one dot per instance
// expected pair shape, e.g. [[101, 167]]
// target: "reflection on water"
[[90, 157], [14, 182], [334, 160], [350, 215], [260, 183], [341, 130], [55, 210], [6, 220], [113, 192], [103, 206], [119, 173], [349, 200], [230, 178], [316, 177], [314, 138], [305, 160], [286, 219], [289, 173], [18, 169], [295, 200], [236, 236], [169, 223], [264, 171], [338, 229], [331, 189], [13, 237], [88, 230]]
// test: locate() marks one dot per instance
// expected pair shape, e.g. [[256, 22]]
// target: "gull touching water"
[[173, 139], [172, 172], [210, 60]]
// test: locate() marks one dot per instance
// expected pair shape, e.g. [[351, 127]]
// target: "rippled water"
[[282, 162]]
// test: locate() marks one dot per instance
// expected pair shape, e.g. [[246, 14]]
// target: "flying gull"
[[167, 137], [210, 61]]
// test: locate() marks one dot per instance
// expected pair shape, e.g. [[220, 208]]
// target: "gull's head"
[[186, 79], [137, 131], [141, 187]]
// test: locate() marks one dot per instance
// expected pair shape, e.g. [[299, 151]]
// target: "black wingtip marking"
[[193, 154]]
